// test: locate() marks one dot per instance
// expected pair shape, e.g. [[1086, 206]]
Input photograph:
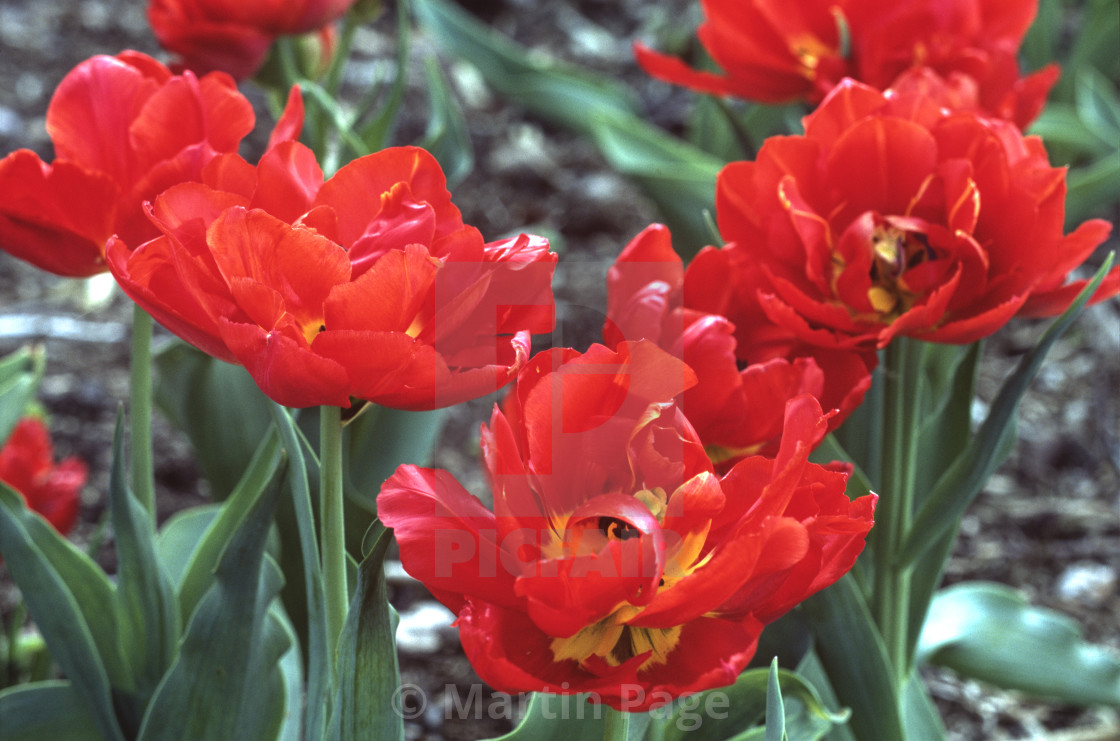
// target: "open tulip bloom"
[[616, 561], [710, 471]]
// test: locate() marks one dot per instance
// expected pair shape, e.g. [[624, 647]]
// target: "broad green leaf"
[[1097, 105], [198, 573], [229, 651], [963, 480], [446, 136], [813, 672], [559, 718], [920, 715], [369, 676], [20, 374], [147, 608], [217, 405], [380, 440], [45, 710], [1091, 189], [853, 655], [319, 693], [775, 709], [71, 601], [291, 669], [180, 535], [990, 632]]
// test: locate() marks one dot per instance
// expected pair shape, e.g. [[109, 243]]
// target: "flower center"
[[894, 251]]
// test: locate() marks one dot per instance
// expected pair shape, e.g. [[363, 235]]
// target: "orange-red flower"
[[779, 51], [27, 465], [736, 411], [124, 129], [891, 216], [234, 35], [616, 561], [368, 285]]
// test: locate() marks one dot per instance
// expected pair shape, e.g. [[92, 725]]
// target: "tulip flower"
[[891, 216], [124, 129], [235, 37], [735, 411], [779, 52], [368, 285], [616, 561], [27, 465]]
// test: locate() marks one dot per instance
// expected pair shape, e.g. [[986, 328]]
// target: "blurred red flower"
[[779, 51], [736, 411], [616, 561], [891, 216], [27, 465], [235, 36], [124, 129], [368, 285]]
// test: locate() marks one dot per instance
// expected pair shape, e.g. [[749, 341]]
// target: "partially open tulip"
[[775, 52], [616, 561], [234, 36], [891, 216], [27, 465], [737, 411], [124, 129], [367, 286]]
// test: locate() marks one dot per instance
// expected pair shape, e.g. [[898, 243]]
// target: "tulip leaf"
[[568, 718], [228, 657], [446, 136], [218, 406], [854, 657], [678, 176], [990, 632], [380, 440], [147, 608], [20, 373], [369, 675], [775, 708], [962, 481], [205, 552], [71, 601], [45, 710]]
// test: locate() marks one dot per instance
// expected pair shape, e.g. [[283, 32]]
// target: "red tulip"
[[27, 465], [778, 51], [616, 561], [891, 216], [235, 37], [368, 285], [124, 129], [736, 411]]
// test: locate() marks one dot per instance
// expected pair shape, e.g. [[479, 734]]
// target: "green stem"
[[902, 371], [140, 411], [332, 523], [617, 724]]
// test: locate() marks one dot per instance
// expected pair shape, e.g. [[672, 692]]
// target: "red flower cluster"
[[952, 226], [368, 285], [616, 561], [735, 411], [124, 129], [235, 37], [27, 465], [779, 51]]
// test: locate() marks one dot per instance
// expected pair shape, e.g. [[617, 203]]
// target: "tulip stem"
[[140, 411], [902, 372], [332, 523], [617, 724]]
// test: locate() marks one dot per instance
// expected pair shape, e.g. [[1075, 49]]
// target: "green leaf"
[[559, 718], [217, 405], [962, 481], [380, 440], [198, 572], [369, 676], [180, 535], [230, 650], [775, 710], [147, 608], [20, 374], [446, 137], [853, 655], [71, 601], [45, 710], [923, 722], [991, 633]]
